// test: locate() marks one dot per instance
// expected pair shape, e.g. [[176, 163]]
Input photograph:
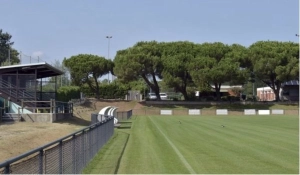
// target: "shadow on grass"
[[108, 159], [125, 122], [74, 121], [125, 125], [121, 155]]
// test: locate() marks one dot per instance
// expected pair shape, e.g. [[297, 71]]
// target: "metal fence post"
[[51, 106], [74, 154], [7, 170], [60, 158], [41, 162], [83, 147], [90, 143]]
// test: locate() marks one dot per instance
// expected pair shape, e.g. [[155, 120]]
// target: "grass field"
[[200, 145]]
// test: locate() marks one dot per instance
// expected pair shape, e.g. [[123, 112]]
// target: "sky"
[[55, 29]]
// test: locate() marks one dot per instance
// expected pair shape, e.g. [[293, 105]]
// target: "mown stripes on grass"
[[245, 145], [186, 164], [199, 144]]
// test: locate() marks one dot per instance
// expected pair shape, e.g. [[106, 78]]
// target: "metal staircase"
[[12, 93]]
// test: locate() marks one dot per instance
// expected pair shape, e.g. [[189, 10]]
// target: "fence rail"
[[68, 155]]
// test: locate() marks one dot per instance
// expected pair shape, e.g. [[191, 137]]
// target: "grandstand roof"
[[43, 69]]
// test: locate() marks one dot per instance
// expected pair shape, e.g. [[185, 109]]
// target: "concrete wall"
[[60, 116], [41, 117]]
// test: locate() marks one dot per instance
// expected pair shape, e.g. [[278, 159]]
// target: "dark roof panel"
[[43, 69], [291, 82]]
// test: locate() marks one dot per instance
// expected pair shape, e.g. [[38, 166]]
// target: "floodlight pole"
[[9, 55], [108, 37]]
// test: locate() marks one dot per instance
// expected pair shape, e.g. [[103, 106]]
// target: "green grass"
[[108, 159], [161, 145]]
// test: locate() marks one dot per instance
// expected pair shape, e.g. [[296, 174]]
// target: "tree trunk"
[[277, 90], [97, 90], [185, 95], [217, 89], [277, 98], [183, 91], [155, 87]]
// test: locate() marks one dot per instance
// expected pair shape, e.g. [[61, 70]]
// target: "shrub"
[[66, 93]]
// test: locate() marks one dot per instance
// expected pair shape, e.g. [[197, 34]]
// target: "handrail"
[[22, 94], [13, 88]]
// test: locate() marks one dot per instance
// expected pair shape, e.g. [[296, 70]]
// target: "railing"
[[12, 92], [51, 106], [68, 155]]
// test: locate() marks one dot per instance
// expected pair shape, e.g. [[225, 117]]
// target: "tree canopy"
[[176, 58], [275, 62], [87, 69], [143, 60], [216, 65], [8, 55], [184, 64]]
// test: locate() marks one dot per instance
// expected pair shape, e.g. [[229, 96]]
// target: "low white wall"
[[194, 112], [263, 112], [166, 112], [277, 111], [249, 112], [222, 112]]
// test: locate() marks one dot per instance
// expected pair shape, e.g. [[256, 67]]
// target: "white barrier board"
[[194, 111], [249, 112], [222, 112], [277, 111], [263, 112], [165, 112]]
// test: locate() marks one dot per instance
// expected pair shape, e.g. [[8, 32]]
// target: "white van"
[[152, 96], [163, 96]]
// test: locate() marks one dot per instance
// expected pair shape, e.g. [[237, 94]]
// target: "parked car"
[[152, 96], [163, 96]]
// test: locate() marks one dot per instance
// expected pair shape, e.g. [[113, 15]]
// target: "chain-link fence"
[[68, 155], [123, 115]]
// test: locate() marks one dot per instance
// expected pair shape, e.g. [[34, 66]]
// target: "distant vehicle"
[[163, 96], [152, 96]]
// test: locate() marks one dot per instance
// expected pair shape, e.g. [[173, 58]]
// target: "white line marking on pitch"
[[187, 165]]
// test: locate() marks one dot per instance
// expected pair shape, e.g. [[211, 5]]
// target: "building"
[[289, 91], [265, 94], [26, 93]]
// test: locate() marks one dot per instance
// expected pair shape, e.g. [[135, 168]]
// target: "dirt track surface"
[[20, 137]]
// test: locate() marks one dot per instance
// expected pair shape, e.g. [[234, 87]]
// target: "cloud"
[[37, 54]]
